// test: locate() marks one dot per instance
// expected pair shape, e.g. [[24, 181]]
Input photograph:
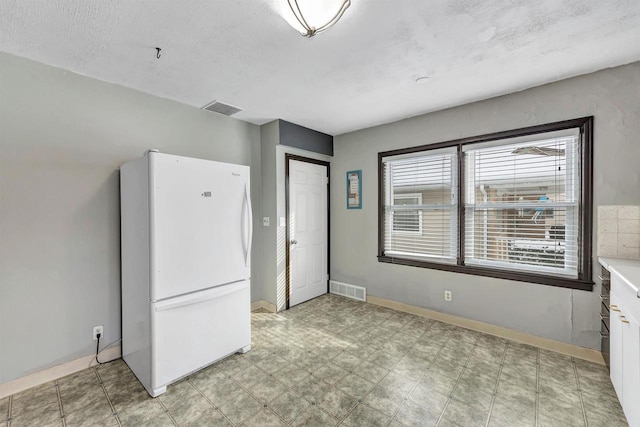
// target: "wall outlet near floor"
[[98, 330], [447, 295]]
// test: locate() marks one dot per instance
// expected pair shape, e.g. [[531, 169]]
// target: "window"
[[420, 210], [522, 204], [524, 213]]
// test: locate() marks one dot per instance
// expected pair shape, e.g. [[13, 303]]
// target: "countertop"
[[628, 269]]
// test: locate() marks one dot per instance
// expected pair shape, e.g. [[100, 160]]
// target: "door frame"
[[288, 157]]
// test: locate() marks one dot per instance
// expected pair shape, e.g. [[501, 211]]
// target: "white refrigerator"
[[186, 228]]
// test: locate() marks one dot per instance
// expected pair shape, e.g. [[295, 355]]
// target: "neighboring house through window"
[[408, 220]]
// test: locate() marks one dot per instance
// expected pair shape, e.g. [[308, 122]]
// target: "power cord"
[[98, 350]]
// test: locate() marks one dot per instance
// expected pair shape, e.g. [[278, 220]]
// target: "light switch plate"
[[265, 221]]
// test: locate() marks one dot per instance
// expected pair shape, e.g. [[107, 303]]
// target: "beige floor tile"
[[432, 384], [384, 399], [38, 401], [337, 403], [4, 409], [559, 390], [551, 409], [473, 395], [462, 414], [311, 388], [209, 418], [289, 405], [82, 419], [239, 406], [371, 372], [189, 410], [86, 398], [508, 411], [264, 418], [314, 416], [267, 389], [525, 397], [334, 361], [355, 386], [27, 421], [365, 416], [412, 414], [149, 413]]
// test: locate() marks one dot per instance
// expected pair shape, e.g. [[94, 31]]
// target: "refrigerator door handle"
[[247, 216], [198, 297], [250, 211]]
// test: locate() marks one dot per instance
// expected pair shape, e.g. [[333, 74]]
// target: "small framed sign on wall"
[[354, 189]]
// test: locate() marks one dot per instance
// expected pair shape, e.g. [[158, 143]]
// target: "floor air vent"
[[219, 107], [347, 290]]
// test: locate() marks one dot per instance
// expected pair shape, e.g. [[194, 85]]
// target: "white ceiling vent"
[[219, 107]]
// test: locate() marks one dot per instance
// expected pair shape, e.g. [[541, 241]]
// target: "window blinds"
[[522, 205], [420, 208]]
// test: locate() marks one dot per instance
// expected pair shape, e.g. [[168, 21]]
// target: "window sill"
[[519, 276]]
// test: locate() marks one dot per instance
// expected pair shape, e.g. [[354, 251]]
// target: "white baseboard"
[[499, 331], [271, 308], [56, 372]]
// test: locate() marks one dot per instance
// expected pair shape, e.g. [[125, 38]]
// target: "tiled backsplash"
[[619, 231]]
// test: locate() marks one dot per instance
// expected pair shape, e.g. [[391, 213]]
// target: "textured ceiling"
[[358, 74]]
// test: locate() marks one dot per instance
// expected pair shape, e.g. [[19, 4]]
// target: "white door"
[[307, 231], [200, 223]]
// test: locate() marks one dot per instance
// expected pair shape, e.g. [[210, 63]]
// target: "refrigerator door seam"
[[198, 297], [200, 290]]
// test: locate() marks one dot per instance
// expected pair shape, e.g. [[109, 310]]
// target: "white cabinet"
[[625, 347], [631, 369], [616, 349]]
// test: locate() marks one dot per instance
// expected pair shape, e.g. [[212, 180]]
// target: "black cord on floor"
[[98, 351]]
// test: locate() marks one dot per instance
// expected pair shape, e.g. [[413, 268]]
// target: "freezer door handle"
[[198, 297], [247, 217]]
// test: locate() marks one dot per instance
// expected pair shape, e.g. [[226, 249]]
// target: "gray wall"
[[306, 139], [275, 146], [612, 96], [62, 139], [269, 139]]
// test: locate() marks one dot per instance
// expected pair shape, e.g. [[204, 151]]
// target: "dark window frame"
[[585, 216]]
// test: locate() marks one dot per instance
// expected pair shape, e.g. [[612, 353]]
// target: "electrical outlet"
[[265, 221], [98, 330], [447, 295]]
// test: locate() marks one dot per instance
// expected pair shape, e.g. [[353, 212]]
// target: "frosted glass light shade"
[[310, 17]]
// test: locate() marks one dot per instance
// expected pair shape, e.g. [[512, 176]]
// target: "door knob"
[[294, 242]]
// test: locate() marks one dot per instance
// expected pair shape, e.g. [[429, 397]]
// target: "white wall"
[[62, 139], [612, 96]]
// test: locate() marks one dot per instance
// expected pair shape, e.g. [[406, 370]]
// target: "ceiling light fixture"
[[311, 17]]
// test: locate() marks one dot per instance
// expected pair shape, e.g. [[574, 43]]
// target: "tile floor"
[[335, 361]]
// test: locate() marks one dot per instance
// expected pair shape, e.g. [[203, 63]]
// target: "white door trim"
[[288, 158]]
